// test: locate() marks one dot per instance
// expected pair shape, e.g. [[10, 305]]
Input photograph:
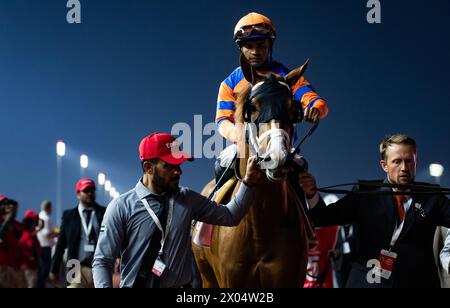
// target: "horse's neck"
[[271, 203], [271, 206]]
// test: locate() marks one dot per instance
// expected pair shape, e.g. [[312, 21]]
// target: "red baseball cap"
[[84, 183], [162, 146], [31, 214], [2, 197]]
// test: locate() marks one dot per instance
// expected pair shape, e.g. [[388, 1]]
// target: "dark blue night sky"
[[134, 67]]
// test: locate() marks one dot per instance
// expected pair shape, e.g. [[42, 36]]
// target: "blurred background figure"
[[346, 244], [46, 237], [30, 249], [11, 230], [3, 251], [320, 269]]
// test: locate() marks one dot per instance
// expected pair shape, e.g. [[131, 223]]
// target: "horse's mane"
[[242, 98]]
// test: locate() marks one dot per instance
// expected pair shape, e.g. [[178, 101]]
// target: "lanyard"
[[350, 232], [87, 228], [397, 232], [398, 229], [158, 222]]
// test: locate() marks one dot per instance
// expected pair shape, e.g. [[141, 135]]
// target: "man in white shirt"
[[46, 237]]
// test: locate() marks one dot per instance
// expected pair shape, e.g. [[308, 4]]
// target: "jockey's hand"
[[308, 184], [312, 115], [253, 173]]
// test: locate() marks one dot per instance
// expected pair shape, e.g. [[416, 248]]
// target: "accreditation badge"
[[387, 262], [158, 267]]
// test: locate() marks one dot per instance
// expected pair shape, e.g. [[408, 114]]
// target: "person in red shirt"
[[30, 248], [320, 269], [10, 233], [3, 264]]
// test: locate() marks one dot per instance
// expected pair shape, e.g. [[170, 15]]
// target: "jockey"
[[255, 34]]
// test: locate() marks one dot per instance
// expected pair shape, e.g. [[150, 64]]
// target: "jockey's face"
[[256, 51], [400, 163]]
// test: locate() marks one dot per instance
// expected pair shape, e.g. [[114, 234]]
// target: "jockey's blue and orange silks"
[[235, 83]]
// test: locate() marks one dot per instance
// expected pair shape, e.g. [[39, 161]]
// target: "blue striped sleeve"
[[229, 82], [313, 101], [234, 78], [302, 91], [226, 106]]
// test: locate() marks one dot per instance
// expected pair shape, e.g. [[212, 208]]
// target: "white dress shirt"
[[43, 234]]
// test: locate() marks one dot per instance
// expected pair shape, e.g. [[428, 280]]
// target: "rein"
[[415, 189]]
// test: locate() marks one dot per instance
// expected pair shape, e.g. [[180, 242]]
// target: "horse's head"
[[269, 112]]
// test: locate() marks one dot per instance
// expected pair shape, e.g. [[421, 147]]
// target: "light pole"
[[84, 163], [436, 171], [101, 181], [60, 153], [112, 192], [108, 186]]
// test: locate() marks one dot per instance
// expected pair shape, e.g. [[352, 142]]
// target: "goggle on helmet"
[[254, 26]]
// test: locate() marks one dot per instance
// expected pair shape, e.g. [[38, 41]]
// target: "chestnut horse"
[[269, 247]]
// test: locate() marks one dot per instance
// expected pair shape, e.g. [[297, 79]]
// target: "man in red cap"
[[30, 249], [149, 227], [79, 233]]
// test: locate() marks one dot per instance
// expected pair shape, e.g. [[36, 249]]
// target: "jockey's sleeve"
[[225, 112], [225, 104], [306, 94], [229, 131], [231, 214]]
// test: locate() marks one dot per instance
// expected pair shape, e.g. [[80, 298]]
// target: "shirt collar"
[[142, 191], [407, 197], [82, 207]]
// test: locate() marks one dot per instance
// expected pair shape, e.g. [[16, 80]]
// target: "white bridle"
[[277, 149], [256, 86], [276, 153]]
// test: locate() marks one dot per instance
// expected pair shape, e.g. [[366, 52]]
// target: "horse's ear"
[[250, 73], [294, 75]]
